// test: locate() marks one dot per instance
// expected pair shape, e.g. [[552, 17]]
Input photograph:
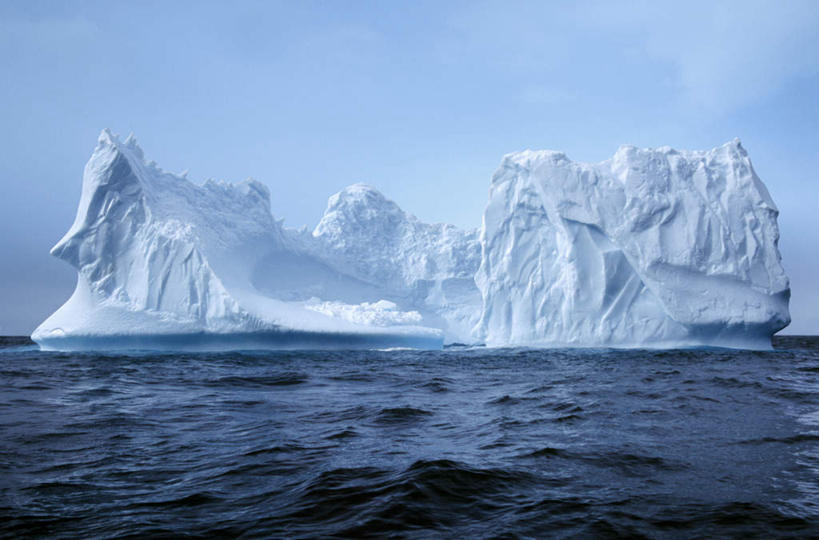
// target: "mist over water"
[[460, 442]]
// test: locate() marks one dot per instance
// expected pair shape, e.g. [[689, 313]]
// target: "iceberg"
[[164, 263], [654, 247]]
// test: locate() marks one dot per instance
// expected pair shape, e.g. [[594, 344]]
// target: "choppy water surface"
[[466, 443]]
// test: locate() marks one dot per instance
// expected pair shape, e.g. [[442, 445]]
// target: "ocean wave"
[[473, 443]]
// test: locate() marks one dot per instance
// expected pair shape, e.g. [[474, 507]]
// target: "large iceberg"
[[651, 248], [654, 247], [163, 262]]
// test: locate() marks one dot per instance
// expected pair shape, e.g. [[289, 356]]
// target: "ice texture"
[[653, 247]]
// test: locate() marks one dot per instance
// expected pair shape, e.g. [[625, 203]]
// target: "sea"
[[460, 443]]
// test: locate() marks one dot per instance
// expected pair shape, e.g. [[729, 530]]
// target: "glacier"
[[652, 248]]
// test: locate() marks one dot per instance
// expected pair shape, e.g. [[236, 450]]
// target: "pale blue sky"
[[420, 99]]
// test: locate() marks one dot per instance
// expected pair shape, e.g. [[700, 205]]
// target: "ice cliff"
[[653, 247], [650, 248]]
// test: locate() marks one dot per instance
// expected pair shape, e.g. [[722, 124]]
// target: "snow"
[[381, 313], [654, 247], [650, 248]]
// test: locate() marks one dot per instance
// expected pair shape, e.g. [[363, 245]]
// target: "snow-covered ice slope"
[[654, 247], [162, 262]]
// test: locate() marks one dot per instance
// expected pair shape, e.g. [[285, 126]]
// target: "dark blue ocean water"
[[459, 443]]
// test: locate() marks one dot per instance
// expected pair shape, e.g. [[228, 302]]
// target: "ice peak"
[[132, 144], [360, 192], [524, 158], [251, 186], [360, 187], [736, 145], [361, 198], [107, 137], [109, 141], [625, 149]]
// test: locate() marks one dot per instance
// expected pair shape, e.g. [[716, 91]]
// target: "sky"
[[419, 99]]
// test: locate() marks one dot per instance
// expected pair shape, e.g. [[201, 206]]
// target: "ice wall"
[[654, 247]]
